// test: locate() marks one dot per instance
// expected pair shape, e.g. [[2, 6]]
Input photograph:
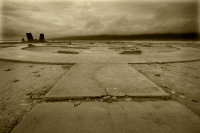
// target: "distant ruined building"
[[41, 39], [29, 37]]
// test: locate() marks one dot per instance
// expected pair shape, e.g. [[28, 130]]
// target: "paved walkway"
[[120, 117], [100, 79]]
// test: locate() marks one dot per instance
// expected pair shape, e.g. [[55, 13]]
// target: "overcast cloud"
[[60, 18]]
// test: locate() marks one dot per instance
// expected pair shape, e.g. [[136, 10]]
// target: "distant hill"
[[168, 36]]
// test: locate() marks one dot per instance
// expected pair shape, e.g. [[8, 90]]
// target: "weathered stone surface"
[[96, 80], [122, 79], [99, 54], [116, 117], [79, 82]]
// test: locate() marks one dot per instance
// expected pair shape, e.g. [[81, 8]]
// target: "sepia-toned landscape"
[[99, 66]]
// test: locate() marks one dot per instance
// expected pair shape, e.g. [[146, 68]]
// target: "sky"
[[60, 18]]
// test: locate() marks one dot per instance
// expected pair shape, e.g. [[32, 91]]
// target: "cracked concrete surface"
[[100, 79], [97, 54], [100, 72], [127, 117]]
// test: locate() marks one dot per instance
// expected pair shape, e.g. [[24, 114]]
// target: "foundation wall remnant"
[[41, 39], [67, 52], [131, 52], [29, 37]]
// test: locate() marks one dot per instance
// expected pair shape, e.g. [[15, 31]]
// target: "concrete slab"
[[96, 80], [122, 79], [97, 54], [79, 82], [118, 117]]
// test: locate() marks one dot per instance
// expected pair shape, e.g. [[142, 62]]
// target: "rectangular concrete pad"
[[122, 79], [118, 117], [96, 80], [79, 82]]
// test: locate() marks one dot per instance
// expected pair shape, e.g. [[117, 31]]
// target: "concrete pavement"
[[97, 55], [117, 117], [100, 79], [100, 71]]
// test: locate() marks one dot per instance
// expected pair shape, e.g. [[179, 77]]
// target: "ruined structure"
[[41, 39], [29, 37]]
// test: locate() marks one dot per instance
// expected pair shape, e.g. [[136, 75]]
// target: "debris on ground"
[[114, 98], [67, 52], [128, 99], [195, 100], [173, 92], [35, 72], [182, 96], [88, 99], [37, 75], [8, 69], [157, 74], [131, 52], [77, 103], [16, 80], [106, 97], [31, 45], [37, 95]]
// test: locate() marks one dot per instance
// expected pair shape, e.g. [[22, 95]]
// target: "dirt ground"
[[181, 80], [23, 86]]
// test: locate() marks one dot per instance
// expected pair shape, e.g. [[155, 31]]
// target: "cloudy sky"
[[58, 18]]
